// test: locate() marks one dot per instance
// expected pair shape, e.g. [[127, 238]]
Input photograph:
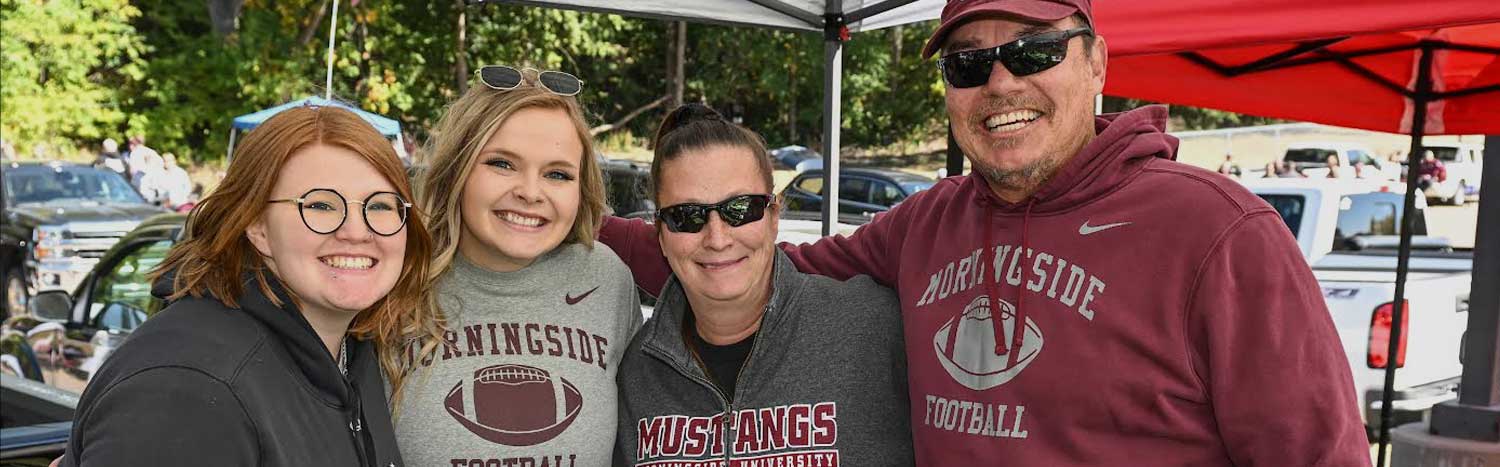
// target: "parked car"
[[862, 193], [59, 218], [36, 422], [1312, 160], [1464, 164], [72, 334], [627, 188], [1348, 234], [788, 157]]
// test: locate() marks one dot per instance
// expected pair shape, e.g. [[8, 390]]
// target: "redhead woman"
[[269, 351], [536, 313]]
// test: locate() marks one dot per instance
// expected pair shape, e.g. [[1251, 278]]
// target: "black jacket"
[[203, 384]]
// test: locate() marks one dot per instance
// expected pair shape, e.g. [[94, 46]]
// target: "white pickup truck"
[[1347, 231]]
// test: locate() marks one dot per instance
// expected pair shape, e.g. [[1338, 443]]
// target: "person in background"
[[1228, 167], [1284, 170], [1335, 168], [176, 182], [271, 349], [151, 178], [7, 150], [110, 158], [1431, 170]]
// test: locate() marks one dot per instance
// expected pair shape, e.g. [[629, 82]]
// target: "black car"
[[627, 188], [58, 219], [71, 334], [862, 193]]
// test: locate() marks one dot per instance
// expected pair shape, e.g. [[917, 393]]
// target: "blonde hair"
[[464, 129], [216, 253]]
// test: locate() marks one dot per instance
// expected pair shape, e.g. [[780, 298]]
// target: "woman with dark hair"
[[745, 357], [271, 350]]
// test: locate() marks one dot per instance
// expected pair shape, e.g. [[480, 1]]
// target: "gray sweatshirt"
[[527, 377], [824, 385]]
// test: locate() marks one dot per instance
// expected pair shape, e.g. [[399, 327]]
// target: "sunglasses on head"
[[735, 211], [505, 78], [1025, 56]]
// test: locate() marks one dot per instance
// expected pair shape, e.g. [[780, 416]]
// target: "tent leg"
[[833, 69], [1420, 99], [955, 154], [229, 150]]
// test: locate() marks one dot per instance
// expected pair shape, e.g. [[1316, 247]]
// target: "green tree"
[[64, 63]]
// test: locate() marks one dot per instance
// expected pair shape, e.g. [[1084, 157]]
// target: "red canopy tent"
[[1349, 63], [1429, 67]]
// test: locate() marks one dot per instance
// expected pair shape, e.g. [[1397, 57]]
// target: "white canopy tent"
[[835, 19]]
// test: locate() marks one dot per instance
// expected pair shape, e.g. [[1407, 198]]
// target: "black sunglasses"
[[735, 211], [1025, 56], [505, 78]]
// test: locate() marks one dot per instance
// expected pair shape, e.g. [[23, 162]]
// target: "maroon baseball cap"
[[958, 11]]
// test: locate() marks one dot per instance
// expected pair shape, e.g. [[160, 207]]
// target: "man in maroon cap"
[[1084, 299]]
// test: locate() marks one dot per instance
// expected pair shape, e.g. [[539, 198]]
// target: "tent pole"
[[1420, 98], [333, 24], [229, 151], [834, 33], [955, 154]]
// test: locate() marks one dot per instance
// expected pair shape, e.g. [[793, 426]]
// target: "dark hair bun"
[[684, 115]]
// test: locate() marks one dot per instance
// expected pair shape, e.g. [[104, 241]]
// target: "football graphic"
[[514, 405], [965, 345]]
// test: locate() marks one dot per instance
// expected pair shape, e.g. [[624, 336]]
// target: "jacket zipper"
[[729, 415], [356, 425]]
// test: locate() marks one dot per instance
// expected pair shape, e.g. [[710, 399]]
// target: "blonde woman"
[[537, 314], [293, 272]]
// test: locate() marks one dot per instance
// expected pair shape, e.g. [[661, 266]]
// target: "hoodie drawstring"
[[996, 319]]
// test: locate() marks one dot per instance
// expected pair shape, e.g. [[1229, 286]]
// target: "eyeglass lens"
[[324, 211]]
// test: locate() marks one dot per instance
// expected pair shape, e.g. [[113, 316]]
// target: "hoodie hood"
[[295, 334], [1123, 143]]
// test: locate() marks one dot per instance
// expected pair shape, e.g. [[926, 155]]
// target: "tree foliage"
[[76, 71], [64, 63]]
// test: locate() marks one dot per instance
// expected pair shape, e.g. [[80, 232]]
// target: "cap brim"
[[1034, 10]]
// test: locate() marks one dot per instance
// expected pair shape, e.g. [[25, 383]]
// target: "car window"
[[1372, 214], [121, 297], [854, 189], [885, 194], [811, 184], [1289, 207]]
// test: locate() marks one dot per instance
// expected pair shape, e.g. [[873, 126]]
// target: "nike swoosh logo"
[[574, 301], [1087, 229]]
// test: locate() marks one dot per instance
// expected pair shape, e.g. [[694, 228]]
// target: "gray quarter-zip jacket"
[[824, 385]]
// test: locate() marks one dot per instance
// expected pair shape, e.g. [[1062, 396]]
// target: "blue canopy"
[[386, 126]]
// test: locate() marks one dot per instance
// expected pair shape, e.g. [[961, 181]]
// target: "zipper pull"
[[355, 425]]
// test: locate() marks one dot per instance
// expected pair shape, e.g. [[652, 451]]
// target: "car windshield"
[[46, 184]]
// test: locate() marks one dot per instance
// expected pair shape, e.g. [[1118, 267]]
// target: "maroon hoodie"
[[1150, 313]]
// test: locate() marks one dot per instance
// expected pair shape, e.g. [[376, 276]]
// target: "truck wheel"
[[13, 288]]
